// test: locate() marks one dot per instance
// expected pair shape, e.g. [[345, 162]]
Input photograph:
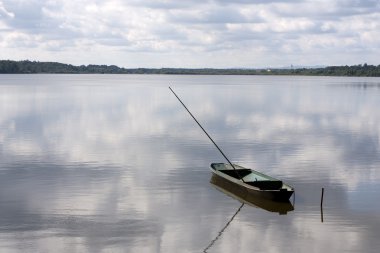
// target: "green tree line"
[[30, 67]]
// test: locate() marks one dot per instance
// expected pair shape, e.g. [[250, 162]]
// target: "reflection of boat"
[[253, 182], [239, 193]]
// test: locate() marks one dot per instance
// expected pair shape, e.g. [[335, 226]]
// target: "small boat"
[[253, 182]]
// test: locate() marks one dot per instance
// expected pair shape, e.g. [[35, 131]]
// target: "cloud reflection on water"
[[122, 166]]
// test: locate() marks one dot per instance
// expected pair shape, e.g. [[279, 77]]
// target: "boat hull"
[[281, 195]]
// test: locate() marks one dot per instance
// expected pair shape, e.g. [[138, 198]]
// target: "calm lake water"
[[114, 163]]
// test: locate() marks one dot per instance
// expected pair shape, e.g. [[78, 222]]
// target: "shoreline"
[[35, 67]]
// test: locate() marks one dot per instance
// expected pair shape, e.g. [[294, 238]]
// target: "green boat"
[[253, 182]]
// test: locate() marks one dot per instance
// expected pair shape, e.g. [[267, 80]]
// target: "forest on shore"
[[35, 67]]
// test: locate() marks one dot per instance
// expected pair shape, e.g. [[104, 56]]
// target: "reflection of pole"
[[321, 214], [221, 231], [228, 160]]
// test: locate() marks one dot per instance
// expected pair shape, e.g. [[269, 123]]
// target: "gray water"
[[113, 163]]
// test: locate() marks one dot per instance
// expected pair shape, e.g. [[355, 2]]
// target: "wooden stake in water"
[[323, 189]]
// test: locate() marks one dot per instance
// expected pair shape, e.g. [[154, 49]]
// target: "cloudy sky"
[[192, 33]]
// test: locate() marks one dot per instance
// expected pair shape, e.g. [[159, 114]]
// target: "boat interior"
[[262, 183], [238, 173], [266, 185]]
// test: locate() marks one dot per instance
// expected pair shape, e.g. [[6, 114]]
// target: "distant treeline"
[[30, 67]]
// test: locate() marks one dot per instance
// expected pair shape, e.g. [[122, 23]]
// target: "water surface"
[[113, 163]]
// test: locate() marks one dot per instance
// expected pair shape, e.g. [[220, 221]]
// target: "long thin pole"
[[228, 160], [323, 190]]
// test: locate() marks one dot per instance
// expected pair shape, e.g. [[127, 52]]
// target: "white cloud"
[[4, 12], [191, 33]]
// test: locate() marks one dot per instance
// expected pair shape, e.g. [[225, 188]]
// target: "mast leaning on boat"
[[228, 160]]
